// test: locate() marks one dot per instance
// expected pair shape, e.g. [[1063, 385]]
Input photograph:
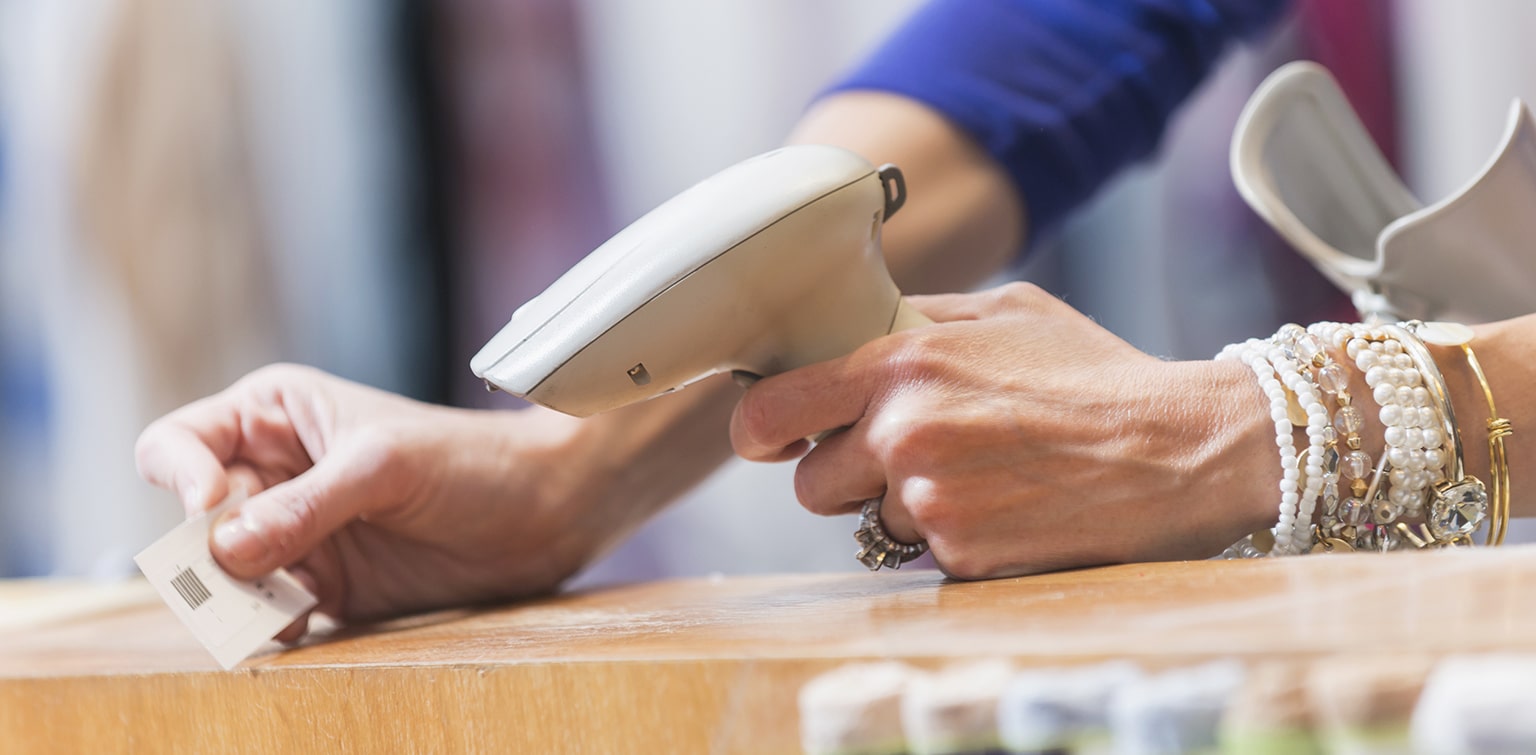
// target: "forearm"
[[612, 472], [964, 220]]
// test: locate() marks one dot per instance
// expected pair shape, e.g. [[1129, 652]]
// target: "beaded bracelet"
[[1347, 421], [1359, 522], [1414, 441], [1298, 351], [1255, 354]]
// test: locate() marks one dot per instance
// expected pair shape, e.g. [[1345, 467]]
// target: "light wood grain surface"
[[701, 666]]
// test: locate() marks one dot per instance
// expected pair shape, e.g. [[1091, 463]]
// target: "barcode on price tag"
[[232, 618], [191, 588]]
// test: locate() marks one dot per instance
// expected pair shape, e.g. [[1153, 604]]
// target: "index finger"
[[780, 411], [186, 451]]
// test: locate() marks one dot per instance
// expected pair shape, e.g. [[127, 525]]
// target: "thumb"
[[281, 525]]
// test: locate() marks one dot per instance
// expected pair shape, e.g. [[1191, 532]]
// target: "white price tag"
[[232, 618]]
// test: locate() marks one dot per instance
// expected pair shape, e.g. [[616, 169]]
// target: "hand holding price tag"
[[232, 618]]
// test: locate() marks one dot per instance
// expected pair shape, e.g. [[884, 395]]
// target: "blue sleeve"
[[1062, 93]]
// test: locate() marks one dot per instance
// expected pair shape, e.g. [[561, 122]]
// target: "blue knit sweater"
[[1062, 93]]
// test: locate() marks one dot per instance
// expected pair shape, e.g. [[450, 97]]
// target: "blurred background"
[[192, 188]]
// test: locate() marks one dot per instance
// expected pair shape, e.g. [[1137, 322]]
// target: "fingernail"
[[186, 487], [191, 501], [238, 539]]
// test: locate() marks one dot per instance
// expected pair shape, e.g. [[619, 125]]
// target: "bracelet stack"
[[1336, 497]]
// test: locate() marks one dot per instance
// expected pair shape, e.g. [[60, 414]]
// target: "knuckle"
[[1020, 297], [905, 436], [914, 354], [926, 503], [1021, 293], [927, 514], [300, 512], [888, 432]]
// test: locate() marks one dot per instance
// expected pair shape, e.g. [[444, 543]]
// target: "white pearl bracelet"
[[1295, 349], [1255, 354]]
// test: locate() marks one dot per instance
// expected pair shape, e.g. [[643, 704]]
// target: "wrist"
[[605, 475], [1237, 461]]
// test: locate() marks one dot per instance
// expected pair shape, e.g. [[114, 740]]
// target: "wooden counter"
[[700, 666]]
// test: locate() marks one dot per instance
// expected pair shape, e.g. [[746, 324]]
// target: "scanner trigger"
[[895, 186]]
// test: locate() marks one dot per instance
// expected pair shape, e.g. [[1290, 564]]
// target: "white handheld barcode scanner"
[[771, 264]]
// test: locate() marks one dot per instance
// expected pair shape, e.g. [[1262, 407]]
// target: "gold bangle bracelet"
[[1499, 428]]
